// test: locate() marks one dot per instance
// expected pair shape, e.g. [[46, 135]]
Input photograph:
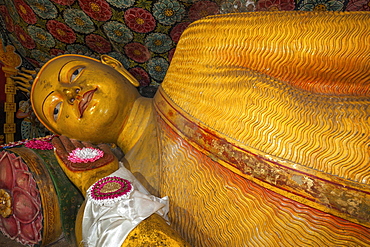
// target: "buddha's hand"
[[64, 147], [77, 159]]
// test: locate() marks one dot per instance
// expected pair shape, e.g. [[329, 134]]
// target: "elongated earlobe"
[[117, 65]]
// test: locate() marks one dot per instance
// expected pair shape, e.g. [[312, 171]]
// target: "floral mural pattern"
[[142, 34]]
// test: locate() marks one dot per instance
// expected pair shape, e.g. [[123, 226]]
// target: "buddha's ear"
[[110, 61]]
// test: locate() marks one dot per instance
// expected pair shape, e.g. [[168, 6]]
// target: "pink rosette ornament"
[[20, 211], [110, 190], [85, 155]]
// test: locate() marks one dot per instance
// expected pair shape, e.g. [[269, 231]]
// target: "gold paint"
[[110, 187], [78, 225], [320, 7], [137, 52], [140, 21], [273, 8], [260, 84], [50, 87], [61, 32], [237, 211], [158, 42], [279, 108], [153, 231], [79, 21], [95, 7], [22, 37], [203, 13], [158, 68], [40, 6], [118, 33], [84, 179], [41, 36], [5, 204], [281, 118], [23, 10], [150, 232], [11, 61], [266, 170], [169, 12]]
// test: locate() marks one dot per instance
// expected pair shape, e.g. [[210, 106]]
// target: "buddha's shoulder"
[[261, 81]]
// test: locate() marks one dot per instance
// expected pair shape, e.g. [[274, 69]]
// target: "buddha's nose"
[[71, 93]]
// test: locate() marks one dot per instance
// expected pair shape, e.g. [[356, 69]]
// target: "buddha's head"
[[84, 98]]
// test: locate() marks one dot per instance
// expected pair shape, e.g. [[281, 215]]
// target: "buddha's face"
[[82, 98]]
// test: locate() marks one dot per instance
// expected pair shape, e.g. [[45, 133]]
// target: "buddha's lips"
[[85, 101]]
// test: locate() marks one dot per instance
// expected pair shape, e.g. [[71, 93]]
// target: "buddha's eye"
[[75, 74], [56, 111]]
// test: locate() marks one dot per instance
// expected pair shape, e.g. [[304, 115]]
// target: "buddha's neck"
[[141, 116]]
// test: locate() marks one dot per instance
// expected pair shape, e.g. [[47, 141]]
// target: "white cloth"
[[108, 225]]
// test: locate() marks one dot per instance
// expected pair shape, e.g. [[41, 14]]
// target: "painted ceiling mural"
[[142, 34]]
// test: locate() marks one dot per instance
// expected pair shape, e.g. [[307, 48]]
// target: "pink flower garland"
[[39, 144], [34, 143], [85, 155]]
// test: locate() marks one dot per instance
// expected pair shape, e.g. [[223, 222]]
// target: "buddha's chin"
[[91, 128]]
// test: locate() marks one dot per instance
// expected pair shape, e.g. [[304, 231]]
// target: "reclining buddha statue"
[[258, 135]]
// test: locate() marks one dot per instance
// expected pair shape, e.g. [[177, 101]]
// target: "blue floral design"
[[77, 48], [158, 42], [237, 6], [168, 12], [78, 21], [118, 32], [321, 5], [41, 36], [43, 8], [13, 11], [17, 45], [121, 3], [40, 56], [157, 68], [120, 57]]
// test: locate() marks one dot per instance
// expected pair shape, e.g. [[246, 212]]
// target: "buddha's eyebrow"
[[43, 102], [61, 68]]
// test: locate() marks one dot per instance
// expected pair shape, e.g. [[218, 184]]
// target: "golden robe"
[[264, 130]]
